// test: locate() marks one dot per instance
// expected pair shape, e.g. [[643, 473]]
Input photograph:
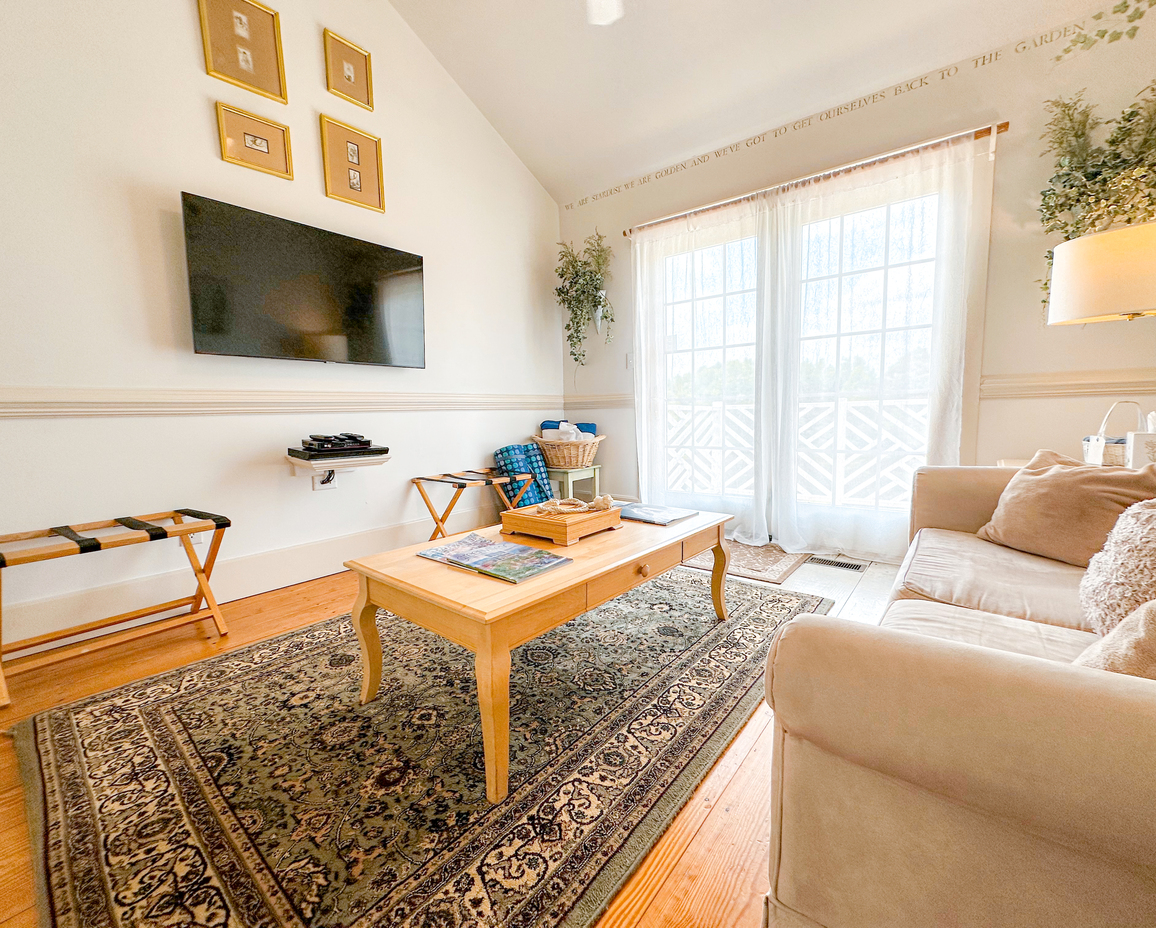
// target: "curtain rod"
[[980, 133]]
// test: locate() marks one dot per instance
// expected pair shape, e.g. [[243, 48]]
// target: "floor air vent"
[[831, 562]]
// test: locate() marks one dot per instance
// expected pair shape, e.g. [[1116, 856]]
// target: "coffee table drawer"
[[627, 577], [700, 542]]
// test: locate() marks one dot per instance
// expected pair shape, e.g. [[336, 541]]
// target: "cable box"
[[309, 454]]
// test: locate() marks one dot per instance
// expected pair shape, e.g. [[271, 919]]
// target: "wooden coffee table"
[[489, 617]]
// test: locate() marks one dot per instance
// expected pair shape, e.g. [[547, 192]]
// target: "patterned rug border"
[[28, 763], [597, 896], [649, 832]]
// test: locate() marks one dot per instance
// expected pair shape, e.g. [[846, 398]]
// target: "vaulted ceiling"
[[588, 106]]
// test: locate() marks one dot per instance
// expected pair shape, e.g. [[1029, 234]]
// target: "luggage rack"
[[66, 540], [482, 477]]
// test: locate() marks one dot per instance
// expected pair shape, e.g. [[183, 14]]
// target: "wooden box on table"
[[561, 528]]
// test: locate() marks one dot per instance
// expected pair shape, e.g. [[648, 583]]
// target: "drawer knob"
[[644, 570]]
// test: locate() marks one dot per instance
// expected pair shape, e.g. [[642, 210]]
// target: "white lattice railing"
[[710, 448], [861, 453]]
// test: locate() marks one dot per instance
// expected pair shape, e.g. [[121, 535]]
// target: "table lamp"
[[1105, 276]]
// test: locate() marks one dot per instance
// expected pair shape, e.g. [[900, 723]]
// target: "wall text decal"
[[1079, 35]]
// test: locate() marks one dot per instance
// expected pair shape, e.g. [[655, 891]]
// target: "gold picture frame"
[[254, 142], [353, 169], [348, 70], [242, 40]]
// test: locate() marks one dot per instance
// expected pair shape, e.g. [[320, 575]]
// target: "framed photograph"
[[243, 46], [347, 70], [353, 170], [254, 142]]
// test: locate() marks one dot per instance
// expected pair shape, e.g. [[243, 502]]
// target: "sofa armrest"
[[1062, 751], [961, 499]]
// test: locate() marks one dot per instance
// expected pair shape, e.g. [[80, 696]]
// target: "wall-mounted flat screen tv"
[[263, 287]]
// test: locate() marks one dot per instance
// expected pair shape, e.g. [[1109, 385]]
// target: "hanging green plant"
[[1098, 186], [584, 275]]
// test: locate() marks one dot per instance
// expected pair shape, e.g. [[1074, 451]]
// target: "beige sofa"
[[951, 767]]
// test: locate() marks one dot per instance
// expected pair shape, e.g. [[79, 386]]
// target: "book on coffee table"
[[502, 560], [655, 515]]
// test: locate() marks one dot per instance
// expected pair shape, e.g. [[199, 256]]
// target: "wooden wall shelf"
[[337, 464]]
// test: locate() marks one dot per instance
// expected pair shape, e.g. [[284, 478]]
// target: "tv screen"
[[264, 287]]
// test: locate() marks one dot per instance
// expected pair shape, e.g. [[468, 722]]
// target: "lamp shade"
[[604, 12], [1106, 276]]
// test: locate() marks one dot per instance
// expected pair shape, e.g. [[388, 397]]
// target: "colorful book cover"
[[503, 560], [463, 546], [655, 515]]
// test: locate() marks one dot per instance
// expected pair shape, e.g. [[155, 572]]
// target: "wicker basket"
[[569, 454], [1115, 449]]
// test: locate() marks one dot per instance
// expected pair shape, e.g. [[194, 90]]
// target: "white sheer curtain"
[[861, 285], [698, 287]]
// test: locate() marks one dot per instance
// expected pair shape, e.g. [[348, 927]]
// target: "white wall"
[[108, 115], [1063, 379]]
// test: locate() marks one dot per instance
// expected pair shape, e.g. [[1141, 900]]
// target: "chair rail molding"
[[1112, 382], [600, 401], [84, 403], [21, 402]]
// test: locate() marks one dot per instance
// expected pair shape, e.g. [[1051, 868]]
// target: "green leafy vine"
[[1119, 22], [584, 275], [1096, 186]]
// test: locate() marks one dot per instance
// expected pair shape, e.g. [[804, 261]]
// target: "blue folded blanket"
[[588, 427], [525, 459]]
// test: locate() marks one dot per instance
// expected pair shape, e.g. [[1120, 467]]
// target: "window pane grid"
[[868, 281], [710, 358]]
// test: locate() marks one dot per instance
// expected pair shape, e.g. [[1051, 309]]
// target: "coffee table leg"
[[365, 622], [722, 558], [492, 666]]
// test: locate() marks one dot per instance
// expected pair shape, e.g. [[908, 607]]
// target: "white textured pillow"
[[1122, 577], [1129, 648]]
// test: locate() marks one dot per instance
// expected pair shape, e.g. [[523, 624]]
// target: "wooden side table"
[[567, 476]]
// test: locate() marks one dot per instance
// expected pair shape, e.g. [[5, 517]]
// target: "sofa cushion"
[[988, 630], [964, 570], [1061, 508]]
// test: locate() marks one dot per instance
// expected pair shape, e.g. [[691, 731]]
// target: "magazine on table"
[[503, 560], [655, 515]]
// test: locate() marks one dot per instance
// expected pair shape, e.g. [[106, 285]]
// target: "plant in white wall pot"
[[1096, 187], [582, 292]]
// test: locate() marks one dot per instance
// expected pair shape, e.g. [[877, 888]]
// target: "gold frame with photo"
[[224, 111], [235, 76], [336, 132], [327, 38]]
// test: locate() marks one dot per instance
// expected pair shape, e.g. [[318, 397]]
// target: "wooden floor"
[[709, 869]]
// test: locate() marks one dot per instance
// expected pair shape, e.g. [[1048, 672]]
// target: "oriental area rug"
[[251, 790], [768, 563]]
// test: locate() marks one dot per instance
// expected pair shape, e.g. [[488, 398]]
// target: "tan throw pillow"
[[1122, 577], [1059, 508], [1129, 648]]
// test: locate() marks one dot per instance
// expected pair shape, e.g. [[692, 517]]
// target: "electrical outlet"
[[325, 481], [198, 538]]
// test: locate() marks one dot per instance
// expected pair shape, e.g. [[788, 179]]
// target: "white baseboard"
[[233, 578]]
